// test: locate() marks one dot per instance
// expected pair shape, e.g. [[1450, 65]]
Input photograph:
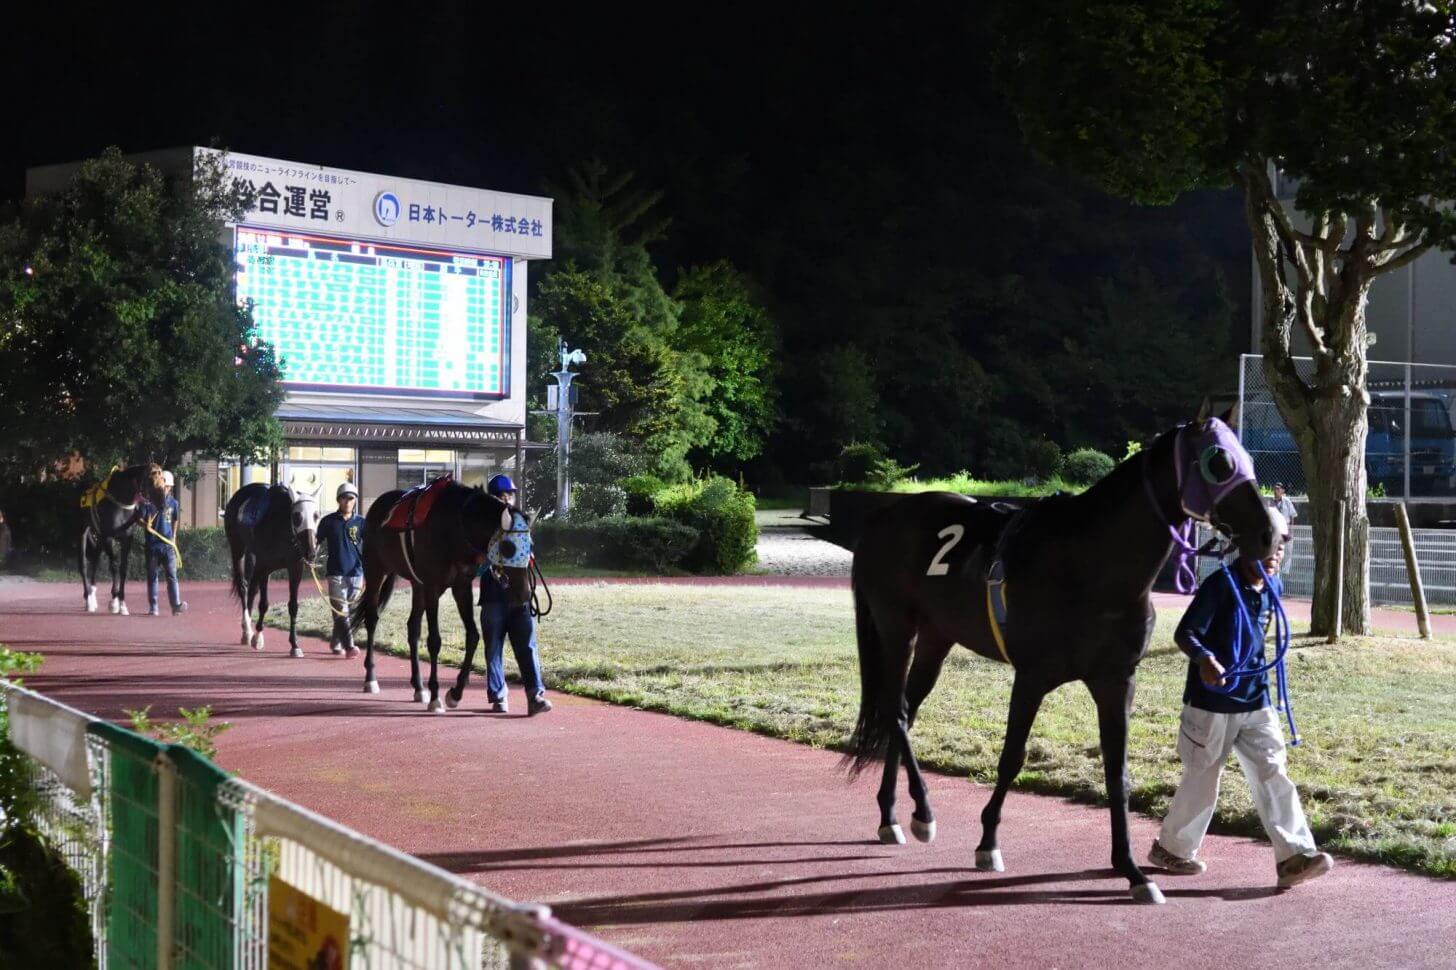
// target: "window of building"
[[319, 471], [420, 465]]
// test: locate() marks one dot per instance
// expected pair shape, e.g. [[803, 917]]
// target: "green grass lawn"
[[1376, 767]]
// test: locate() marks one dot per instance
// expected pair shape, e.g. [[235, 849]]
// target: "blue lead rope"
[[1248, 639]]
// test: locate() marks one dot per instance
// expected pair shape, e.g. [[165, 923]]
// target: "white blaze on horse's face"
[[305, 518]]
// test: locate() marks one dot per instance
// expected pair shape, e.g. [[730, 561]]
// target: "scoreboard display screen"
[[346, 315]]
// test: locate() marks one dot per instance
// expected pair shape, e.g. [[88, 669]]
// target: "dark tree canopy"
[[121, 339], [1353, 99]]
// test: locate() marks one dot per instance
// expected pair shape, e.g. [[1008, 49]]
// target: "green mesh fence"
[[210, 869], [131, 815]]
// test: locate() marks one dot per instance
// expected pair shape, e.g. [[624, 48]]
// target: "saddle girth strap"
[[996, 605]]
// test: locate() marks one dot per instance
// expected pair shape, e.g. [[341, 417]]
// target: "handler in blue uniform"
[[161, 554], [499, 618], [1219, 719], [342, 534]]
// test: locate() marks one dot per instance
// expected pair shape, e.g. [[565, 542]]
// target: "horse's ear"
[[1232, 416], [1205, 411]]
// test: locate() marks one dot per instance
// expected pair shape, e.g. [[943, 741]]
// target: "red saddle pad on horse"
[[413, 507]]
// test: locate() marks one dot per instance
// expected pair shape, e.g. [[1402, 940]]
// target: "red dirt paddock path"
[[695, 845]]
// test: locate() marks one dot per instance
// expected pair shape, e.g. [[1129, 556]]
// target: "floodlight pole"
[[563, 427]]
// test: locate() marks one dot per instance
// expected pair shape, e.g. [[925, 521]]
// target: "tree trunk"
[[1326, 411], [1334, 464]]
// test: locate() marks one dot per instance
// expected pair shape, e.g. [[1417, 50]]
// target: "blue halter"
[[1248, 638]]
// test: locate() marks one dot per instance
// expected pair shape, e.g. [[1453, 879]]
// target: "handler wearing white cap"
[[161, 532], [342, 534]]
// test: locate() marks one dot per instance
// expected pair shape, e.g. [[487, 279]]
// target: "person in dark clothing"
[[499, 619], [161, 530], [1220, 717], [342, 534]]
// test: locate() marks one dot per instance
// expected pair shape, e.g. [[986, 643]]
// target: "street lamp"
[[563, 406]]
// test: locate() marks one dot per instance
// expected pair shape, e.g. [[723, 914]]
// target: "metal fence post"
[[1413, 570]]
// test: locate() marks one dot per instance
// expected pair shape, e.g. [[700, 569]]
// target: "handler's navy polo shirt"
[[1208, 628], [342, 538]]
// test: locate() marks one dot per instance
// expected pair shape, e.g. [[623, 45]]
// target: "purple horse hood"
[[1210, 463]]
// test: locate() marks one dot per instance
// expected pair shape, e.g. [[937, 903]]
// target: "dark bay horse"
[[1075, 605], [464, 527], [269, 527], [112, 511]]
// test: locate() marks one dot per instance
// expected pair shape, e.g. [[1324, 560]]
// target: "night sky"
[[842, 161], [735, 111]]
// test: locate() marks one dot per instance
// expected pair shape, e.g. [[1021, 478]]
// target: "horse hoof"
[[246, 639], [892, 834], [90, 602], [115, 605], [419, 695], [371, 686], [1148, 893], [989, 860], [451, 700], [121, 610], [923, 831], [296, 652], [257, 641], [435, 707]]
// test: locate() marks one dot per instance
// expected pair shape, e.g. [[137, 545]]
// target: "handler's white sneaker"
[[1173, 864], [1302, 868]]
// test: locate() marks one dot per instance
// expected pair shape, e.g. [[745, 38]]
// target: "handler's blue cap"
[[500, 484]]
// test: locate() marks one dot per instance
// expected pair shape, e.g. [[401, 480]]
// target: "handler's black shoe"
[[537, 705], [1302, 868]]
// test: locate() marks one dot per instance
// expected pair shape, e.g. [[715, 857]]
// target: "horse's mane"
[[1060, 516]]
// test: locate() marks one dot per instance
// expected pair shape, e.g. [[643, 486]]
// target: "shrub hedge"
[[617, 542]]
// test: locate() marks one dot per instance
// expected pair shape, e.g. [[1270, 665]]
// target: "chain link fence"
[[1410, 449]]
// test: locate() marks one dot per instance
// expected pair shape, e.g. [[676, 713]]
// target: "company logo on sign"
[[386, 208]]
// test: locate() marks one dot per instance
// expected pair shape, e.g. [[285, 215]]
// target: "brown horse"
[[464, 526], [1060, 591]]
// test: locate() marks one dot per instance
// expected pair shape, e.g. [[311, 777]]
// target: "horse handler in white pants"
[[1236, 719]]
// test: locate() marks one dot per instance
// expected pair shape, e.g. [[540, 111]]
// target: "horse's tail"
[[881, 693], [386, 588], [236, 562]]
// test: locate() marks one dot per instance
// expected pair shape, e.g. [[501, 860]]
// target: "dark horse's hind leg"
[[1026, 697], [412, 631], [930, 653], [432, 613], [374, 579], [1114, 709], [462, 591], [90, 559]]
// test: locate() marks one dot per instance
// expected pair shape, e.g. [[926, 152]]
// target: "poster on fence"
[[303, 933]]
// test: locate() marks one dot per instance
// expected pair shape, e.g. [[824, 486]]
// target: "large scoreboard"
[[346, 315]]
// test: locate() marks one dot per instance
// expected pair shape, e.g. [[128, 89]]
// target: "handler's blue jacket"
[[1208, 629]]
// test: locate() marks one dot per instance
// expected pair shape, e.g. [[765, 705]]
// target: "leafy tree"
[[848, 403], [724, 324], [628, 378], [118, 326], [1353, 100]]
